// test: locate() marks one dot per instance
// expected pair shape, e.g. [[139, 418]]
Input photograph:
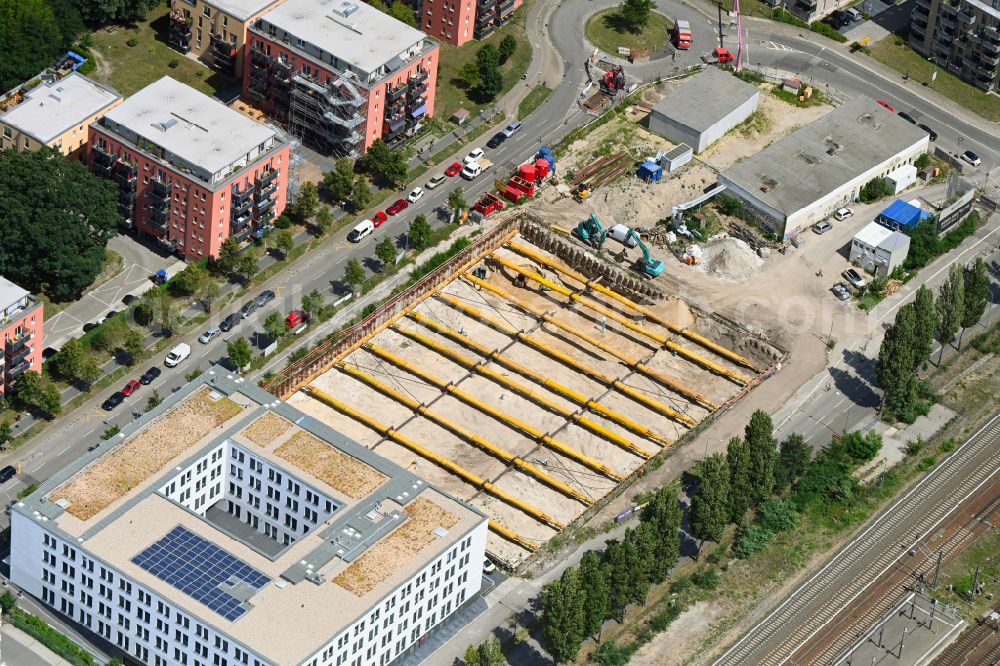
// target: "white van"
[[364, 228], [177, 355], [621, 234]]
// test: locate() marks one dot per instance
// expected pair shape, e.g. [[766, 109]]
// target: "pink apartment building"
[[191, 171], [340, 74], [21, 327], [458, 21]]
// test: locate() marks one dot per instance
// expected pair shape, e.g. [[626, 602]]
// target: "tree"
[[793, 459], [562, 617], [134, 344], [710, 504], [741, 492], [153, 401], [354, 273], [778, 515], [471, 657], [229, 254], [6, 432], [239, 353], [950, 306], [306, 203], [469, 72], [925, 244], [401, 12], [386, 251], [361, 195], [456, 201], [876, 189], [284, 241], [339, 182], [924, 325], [209, 292], [324, 219], [57, 220], [246, 266], [102, 12], [490, 78], [635, 545], [189, 281], [663, 516], [894, 369], [419, 232], [763, 448], [36, 392], [976, 295], [74, 364], [595, 589], [31, 38], [383, 162], [617, 575], [107, 337], [8, 602], [491, 652], [862, 448], [312, 302], [508, 45], [275, 326], [634, 14]]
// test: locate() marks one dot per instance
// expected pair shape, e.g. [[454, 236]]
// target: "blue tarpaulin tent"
[[901, 215], [651, 172]]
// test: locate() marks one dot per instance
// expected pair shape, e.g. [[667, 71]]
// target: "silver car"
[[854, 278], [209, 335], [822, 227]]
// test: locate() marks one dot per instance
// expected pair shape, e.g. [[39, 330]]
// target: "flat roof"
[[876, 235], [49, 109], [705, 99], [197, 128], [352, 31], [10, 293], [241, 9], [816, 160], [903, 213], [388, 523]]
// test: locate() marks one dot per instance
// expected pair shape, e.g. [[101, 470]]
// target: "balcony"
[[417, 103], [126, 182], [17, 344], [126, 197], [260, 59], [238, 223], [989, 60], [483, 20], [418, 90], [920, 12], [485, 7], [990, 49], [241, 236], [126, 210], [947, 24], [505, 7], [18, 356], [918, 24], [266, 216], [966, 19], [264, 205], [266, 179], [159, 215], [266, 192], [483, 32], [391, 95], [100, 155], [15, 371]]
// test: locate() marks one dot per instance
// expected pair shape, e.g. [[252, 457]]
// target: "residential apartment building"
[[54, 110], [21, 327], [458, 21], [961, 36], [340, 74], [249, 534], [191, 171], [215, 30]]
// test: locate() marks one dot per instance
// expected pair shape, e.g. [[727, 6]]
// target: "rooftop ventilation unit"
[[166, 124]]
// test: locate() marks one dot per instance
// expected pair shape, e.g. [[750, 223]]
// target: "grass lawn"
[[127, 68], [894, 52], [605, 31], [750, 8], [534, 100], [453, 92]]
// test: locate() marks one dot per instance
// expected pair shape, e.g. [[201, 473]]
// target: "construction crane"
[[648, 265], [590, 231]]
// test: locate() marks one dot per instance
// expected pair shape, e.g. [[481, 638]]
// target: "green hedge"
[[827, 31], [782, 16], [50, 638], [438, 259]]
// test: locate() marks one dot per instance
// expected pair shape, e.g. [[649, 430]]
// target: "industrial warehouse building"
[[819, 168], [701, 110], [227, 527]]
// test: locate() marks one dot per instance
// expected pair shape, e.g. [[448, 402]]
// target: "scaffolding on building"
[[328, 116]]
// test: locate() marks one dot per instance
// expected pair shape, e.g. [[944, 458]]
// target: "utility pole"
[[975, 582], [937, 570]]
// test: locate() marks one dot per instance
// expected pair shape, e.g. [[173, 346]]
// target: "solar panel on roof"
[[197, 568]]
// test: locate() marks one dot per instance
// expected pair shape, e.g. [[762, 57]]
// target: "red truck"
[[680, 34]]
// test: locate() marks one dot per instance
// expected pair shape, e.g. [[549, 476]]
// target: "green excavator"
[[590, 231], [648, 265]]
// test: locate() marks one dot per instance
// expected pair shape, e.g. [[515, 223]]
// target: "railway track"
[[968, 649], [845, 577]]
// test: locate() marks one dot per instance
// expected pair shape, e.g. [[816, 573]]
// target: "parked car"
[[474, 156], [150, 376], [885, 105], [89, 326], [512, 129], [7, 473], [49, 352], [834, 22], [841, 291], [853, 13], [129, 299], [296, 317], [822, 227], [248, 308], [854, 278], [842, 214], [210, 334], [264, 297], [397, 207], [113, 401], [496, 140], [842, 16], [230, 322], [435, 181], [453, 170], [930, 132], [177, 355], [361, 229], [378, 218], [131, 387], [415, 195], [907, 117], [488, 566], [971, 158]]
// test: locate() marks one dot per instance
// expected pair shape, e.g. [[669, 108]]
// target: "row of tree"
[[483, 76], [906, 347], [575, 606]]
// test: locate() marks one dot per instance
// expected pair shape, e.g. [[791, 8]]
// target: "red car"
[[131, 388], [886, 105], [453, 169], [379, 218], [398, 207]]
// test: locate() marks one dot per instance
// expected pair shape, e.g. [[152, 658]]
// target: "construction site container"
[[522, 185], [541, 168], [528, 172]]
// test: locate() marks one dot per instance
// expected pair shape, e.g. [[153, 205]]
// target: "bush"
[[778, 515], [681, 585], [923, 161], [827, 31], [947, 445], [880, 188], [51, 638], [133, 42], [610, 653], [730, 205], [782, 16], [914, 446], [750, 539], [174, 64], [662, 620], [927, 463], [862, 448], [707, 579]]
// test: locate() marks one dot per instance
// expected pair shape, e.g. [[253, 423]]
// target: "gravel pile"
[[730, 259]]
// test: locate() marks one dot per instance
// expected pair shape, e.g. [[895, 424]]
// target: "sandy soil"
[[667, 647]]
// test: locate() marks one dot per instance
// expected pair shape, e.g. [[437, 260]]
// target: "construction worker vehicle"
[[473, 169]]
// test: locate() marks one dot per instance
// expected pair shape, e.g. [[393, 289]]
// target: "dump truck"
[[718, 56], [680, 34], [473, 169]]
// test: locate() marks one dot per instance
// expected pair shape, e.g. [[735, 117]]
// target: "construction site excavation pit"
[[528, 389]]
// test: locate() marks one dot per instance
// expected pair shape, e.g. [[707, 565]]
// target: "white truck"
[[473, 169], [177, 355]]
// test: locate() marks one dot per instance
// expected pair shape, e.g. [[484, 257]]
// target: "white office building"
[[226, 528]]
